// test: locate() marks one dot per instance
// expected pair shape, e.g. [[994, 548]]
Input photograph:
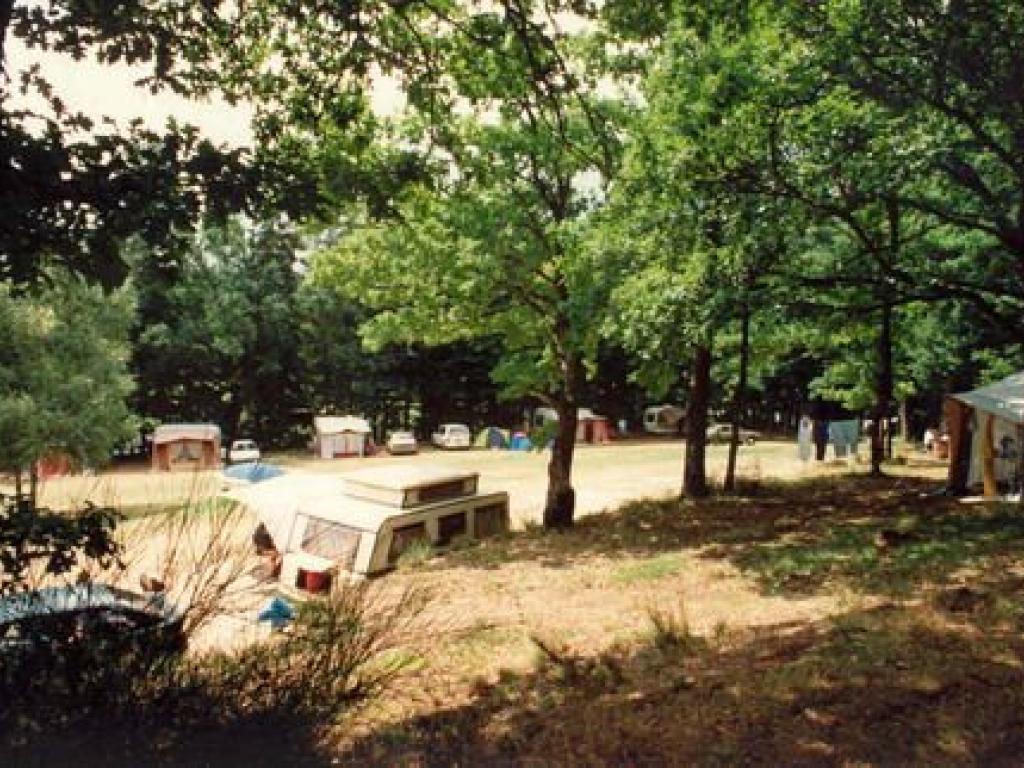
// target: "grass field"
[[604, 476], [816, 618]]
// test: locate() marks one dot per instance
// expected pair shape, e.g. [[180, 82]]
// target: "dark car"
[[93, 615]]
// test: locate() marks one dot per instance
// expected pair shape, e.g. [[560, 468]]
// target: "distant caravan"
[[664, 420]]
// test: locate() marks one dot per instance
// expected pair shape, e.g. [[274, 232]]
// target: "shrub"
[[342, 651]]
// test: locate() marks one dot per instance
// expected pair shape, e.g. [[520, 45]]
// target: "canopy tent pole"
[[988, 460]]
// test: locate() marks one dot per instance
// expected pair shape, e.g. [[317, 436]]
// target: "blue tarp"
[[278, 612], [521, 442], [253, 471]]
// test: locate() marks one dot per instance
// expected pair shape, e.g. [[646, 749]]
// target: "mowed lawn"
[[604, 476]]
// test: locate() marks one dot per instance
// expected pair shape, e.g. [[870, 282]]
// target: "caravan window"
[[404, 537], [331, 540], [450, 526]]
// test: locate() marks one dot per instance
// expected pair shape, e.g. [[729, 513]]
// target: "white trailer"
[[362, 523]]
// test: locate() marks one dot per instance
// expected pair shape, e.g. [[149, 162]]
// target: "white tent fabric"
[[169, 433], [340, 436], [1004, 399], [277, 501], [335, 425]]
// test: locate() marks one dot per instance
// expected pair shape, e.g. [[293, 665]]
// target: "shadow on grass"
[[873, 535], [105, 701], [892, 686], [890, 556], [270, 739]]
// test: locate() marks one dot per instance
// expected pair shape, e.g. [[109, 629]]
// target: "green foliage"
[[63, 372], [648, 570], [39, 543], [219, 341]]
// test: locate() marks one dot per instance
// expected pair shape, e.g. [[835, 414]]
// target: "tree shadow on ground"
[[889, 686], [119, 700], [275, 738], [875, 534]]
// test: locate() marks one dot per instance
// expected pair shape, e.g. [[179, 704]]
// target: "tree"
[[63, 374], [952, 68], [219, 339], [35, 541], [72, 187], [494, 248], [699, 243]]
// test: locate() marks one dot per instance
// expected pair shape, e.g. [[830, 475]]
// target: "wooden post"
[[988, 460], [1018, 481]]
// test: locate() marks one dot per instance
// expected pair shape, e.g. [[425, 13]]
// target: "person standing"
[[820, 438]]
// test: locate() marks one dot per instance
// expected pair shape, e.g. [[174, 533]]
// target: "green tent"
[[491, 437]]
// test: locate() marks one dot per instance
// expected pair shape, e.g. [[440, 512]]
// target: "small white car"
[[243, 451], [452, 436], [402, 442], [722, 433]]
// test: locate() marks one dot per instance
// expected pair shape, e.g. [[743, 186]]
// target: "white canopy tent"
[[340, 436], [986, 430]]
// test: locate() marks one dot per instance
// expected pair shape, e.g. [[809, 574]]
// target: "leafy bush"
[[36, 543], [342, 650]]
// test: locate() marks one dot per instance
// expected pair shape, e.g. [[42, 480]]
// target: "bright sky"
[[99, 90]]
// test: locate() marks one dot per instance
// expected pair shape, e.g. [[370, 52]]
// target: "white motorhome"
[[663, 419], [361, 523], [452, 436]]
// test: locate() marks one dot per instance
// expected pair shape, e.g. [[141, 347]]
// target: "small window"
[[441, 491], [490, 520], [450, 526], [333, 541], [404, 537]]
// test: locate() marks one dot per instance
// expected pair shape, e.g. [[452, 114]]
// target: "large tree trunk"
[[561, 499], [905, 424], [695, 483], [232, 417], [6, 9], [33, 486], [883, 363], [883, 391], [738, 399]]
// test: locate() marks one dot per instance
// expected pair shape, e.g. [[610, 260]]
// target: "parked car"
[[402, 442], [242, 451], [452, 436], [722, 433], [55, 617]]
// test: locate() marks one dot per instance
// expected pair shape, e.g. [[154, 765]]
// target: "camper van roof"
[[276, 502], [407, 477]]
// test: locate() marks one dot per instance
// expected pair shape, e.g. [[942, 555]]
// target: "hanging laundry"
[[844, 436], [804, 438]]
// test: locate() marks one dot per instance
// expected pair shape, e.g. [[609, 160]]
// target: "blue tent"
[[521, 442], [491, 437], [253, 471]]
